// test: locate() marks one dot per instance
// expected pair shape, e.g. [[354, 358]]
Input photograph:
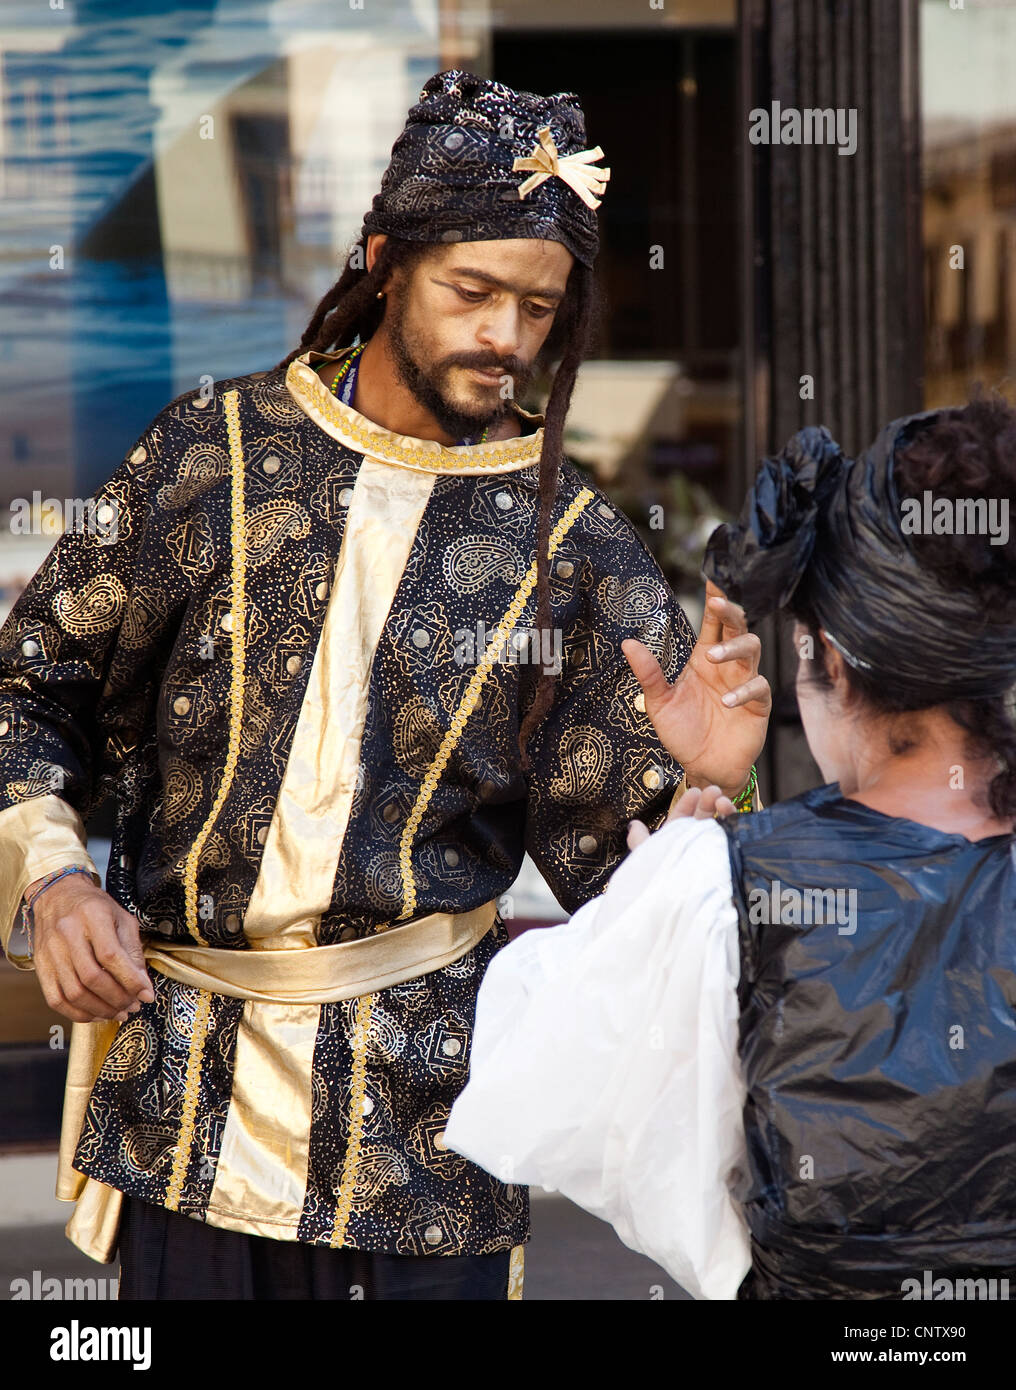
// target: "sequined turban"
[[479, 161]]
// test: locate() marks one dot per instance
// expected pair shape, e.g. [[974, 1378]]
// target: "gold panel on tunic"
[[95, 1224], [516, 1271], [301, 854], [261, 1178], [261, 1175]]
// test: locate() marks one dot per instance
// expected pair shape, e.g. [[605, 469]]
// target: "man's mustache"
[[513, 367]]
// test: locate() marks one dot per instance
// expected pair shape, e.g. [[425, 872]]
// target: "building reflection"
[[203, 169], [968, 166]]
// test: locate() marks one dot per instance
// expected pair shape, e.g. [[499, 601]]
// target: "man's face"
[[469, 306]]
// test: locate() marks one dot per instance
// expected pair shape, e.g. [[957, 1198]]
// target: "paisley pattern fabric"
[[115, 679]]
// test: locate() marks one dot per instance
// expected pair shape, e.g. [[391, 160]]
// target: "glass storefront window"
[[181, 182]]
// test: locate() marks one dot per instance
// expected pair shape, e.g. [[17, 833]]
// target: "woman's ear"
[[836, 667]]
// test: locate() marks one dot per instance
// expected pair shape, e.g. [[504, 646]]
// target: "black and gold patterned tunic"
[[279, 667]]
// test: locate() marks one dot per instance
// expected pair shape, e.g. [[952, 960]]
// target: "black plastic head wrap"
[[832, 524], [451, 176]]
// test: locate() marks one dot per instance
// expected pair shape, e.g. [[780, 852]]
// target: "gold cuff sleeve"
[[36, 837]]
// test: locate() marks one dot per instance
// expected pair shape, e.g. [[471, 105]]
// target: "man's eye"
[[472, 295], [539, 311]]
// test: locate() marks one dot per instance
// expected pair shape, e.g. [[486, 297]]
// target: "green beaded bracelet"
[[746, 800]]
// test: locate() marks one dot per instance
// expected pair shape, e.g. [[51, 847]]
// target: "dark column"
[[832, 259]]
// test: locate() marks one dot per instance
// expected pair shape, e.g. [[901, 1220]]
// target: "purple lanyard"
[[348, 389]]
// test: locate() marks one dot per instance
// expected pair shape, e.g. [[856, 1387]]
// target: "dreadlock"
[[574, 332], [352, 307]]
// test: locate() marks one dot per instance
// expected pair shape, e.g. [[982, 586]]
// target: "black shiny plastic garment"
[[878, 1040]]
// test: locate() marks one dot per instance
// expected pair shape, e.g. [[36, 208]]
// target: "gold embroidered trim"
[[468, 703], [357, 1089], [191, 1086], [426, 455], [239, 614], [192, 1082], [516, 1271]]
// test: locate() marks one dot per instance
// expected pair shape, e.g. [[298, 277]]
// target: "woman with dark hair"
[[807, 1086]]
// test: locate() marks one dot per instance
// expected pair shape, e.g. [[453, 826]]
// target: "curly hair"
[[966, 453]]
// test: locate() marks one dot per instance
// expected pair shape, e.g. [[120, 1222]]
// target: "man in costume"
[[321, 793]]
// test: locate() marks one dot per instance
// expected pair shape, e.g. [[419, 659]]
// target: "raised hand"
[[713, 719]]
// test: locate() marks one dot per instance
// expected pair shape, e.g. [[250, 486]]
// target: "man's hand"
[[696, 803], [88, 953], [713, 719]]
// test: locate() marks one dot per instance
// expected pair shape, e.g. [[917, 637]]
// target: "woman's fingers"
[[710, 802], [703, 803], [637, 832]]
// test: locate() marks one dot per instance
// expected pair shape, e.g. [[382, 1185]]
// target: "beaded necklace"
[[347, 375]]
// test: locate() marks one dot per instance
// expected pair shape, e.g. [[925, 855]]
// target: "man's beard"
[[453, 419]]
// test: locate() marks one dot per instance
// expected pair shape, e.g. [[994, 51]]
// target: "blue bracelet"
[[28, 904]]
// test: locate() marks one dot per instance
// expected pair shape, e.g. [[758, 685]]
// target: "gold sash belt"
[[304, 975], [326, 974]]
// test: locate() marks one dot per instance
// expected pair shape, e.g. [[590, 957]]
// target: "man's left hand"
[[713, 719]]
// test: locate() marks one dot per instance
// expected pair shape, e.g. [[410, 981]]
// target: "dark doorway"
[[663, 107]]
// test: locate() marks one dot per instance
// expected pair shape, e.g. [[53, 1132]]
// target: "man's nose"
[[501, 330]]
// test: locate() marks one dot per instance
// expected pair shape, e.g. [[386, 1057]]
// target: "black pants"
[[164, 1255]]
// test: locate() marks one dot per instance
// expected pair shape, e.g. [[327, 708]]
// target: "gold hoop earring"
[[380, 294]]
